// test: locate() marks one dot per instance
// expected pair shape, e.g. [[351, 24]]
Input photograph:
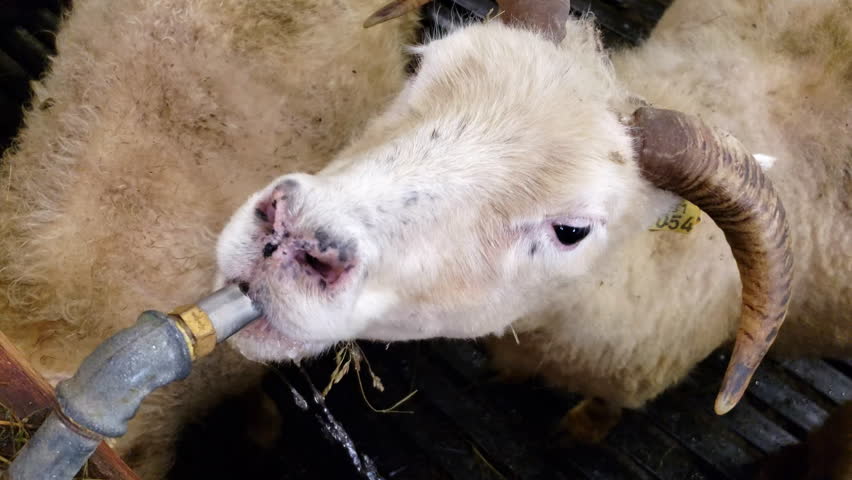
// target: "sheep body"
[[627, 312], [777, 76], [157, 119], [781, 82]]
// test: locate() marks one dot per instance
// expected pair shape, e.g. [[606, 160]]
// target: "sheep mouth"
[[262, 329], [270, 337], [262, 341]]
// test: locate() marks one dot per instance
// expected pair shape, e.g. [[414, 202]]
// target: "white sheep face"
[[499, 174]]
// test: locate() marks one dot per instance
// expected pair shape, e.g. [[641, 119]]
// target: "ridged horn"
[[546, 16], [549, 16], [713, 170], [394, 9]]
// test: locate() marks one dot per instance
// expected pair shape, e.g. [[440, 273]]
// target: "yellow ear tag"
[[682, 219]]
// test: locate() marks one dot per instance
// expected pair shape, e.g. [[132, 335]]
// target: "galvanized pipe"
[[111, 383], [56, 452]]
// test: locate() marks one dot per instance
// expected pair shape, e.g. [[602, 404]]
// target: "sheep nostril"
[[269, 249], [265, 211], [329, 270], [322, 268]]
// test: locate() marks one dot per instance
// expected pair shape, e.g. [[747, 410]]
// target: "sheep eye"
[[569, 235]]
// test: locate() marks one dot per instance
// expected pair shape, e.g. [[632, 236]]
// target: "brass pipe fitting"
[[197, 328]]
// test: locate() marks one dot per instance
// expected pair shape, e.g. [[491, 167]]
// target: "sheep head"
[[499, 175]]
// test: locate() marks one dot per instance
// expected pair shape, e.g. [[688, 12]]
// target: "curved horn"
[[713, 170], [546, 15], [394, 9]]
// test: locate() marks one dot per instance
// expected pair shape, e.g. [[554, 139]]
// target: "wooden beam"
[[27, 394]]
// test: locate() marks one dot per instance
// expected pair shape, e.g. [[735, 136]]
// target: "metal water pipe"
[[105, 393]]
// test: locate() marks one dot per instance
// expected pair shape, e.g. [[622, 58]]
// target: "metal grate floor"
[[27, 30], [465, 426]]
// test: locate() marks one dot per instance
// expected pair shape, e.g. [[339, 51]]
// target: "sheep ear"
[[713, 170], [545, 16]]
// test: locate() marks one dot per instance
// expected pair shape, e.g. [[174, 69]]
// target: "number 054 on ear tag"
[[682, 219]]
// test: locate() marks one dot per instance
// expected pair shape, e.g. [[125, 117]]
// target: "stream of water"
[[312, 400]]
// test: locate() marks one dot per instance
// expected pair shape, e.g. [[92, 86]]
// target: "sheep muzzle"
[[712, 169]]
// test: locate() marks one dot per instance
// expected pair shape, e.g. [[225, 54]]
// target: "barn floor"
[[460, 423], [464, 425]]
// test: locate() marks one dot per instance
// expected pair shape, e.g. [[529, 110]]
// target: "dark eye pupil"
[[569, 235]]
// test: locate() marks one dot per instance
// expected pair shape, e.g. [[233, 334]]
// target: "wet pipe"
[[105, 393]]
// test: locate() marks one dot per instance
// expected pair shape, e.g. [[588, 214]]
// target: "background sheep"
[[106, 207], [489, 196]]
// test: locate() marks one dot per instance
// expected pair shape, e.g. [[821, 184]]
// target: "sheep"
[[106, 205], [507, 193], [479, 201]]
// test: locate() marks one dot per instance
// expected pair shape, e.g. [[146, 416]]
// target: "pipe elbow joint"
[[112, 382]]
